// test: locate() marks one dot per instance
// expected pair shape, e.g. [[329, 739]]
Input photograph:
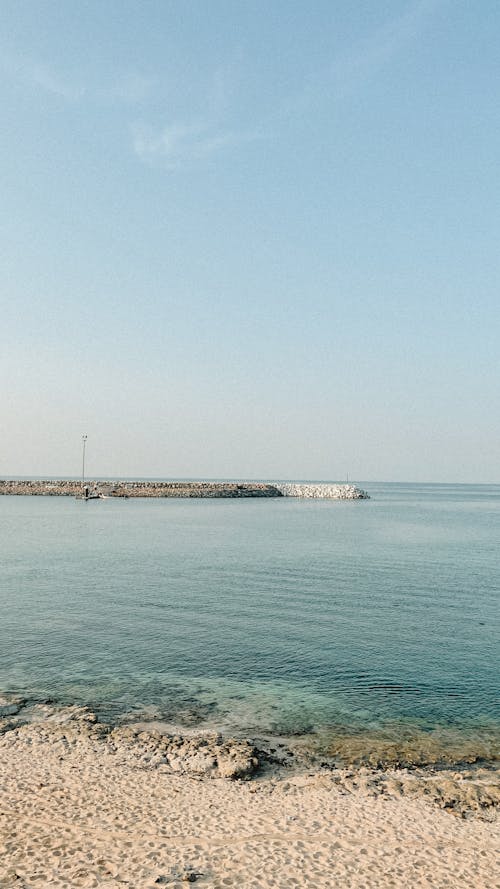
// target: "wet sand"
[[84, 805]]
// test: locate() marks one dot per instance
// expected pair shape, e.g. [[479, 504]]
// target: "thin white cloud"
[[378, 48], [51, 82], [360, 62], [179, 143], [130, 88], [39, 76], [171, 144], [121, 88]]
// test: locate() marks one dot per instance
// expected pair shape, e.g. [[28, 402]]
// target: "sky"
[[250, 239]]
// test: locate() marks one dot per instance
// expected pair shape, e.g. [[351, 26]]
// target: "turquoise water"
[[280, 615]]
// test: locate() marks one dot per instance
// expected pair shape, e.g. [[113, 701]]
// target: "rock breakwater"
[[323, 491], [68, 488], [71, 488]]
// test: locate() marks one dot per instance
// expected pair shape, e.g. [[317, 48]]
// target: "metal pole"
[[84, 439]]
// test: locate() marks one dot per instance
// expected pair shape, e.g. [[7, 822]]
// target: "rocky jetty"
[[71, 488], [66, 488], [323, 491]]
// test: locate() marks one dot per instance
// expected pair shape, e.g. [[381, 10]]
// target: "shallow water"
[[284, 616]]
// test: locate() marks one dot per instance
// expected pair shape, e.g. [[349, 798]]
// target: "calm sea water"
[[280, 615]]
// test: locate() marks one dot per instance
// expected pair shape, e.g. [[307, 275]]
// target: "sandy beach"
[[83, 805]]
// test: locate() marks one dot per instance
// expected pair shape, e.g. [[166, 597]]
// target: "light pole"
[[84, 440]]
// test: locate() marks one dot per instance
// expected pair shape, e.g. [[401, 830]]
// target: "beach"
[[86, 805], [250, 692]]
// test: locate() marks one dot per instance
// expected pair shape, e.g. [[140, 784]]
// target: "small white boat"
[[93, 495]]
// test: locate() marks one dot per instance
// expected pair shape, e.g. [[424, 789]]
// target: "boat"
[[87, 495]]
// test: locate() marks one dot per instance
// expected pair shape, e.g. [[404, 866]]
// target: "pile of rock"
[[68, 488], [72, 728], [189, 489], [323, 491], [34, 487]]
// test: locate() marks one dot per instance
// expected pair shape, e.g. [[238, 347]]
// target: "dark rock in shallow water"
[[10, 705]]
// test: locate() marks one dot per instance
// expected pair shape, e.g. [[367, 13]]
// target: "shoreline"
[[85, 804], [252, 754], [386, 746]]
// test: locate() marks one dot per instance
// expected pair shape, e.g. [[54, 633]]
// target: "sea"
[[342, 622]]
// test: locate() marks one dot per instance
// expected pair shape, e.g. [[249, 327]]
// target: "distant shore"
[[125, 489]]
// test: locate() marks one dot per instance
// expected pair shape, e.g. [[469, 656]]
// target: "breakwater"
[[323, 491], [72, 488], [140, 488]]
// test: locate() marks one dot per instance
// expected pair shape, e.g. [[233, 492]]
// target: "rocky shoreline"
[[126, 489], [466, 786]]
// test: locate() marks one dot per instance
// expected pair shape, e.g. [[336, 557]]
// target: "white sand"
[[78, 814]]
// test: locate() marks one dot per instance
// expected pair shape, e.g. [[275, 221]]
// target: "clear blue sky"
[[251, 239]]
